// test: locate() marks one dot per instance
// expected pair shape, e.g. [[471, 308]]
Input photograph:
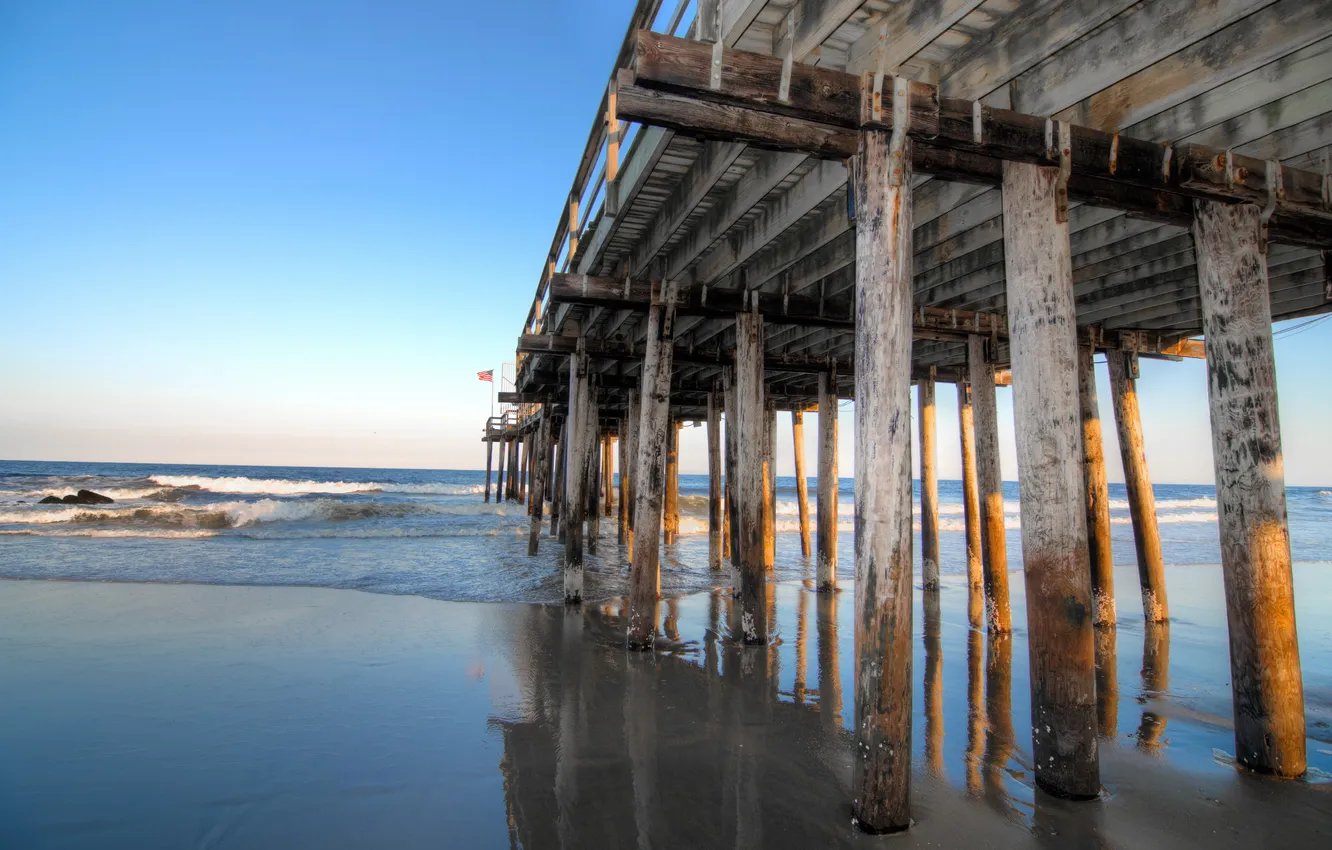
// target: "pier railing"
[[595, 197]]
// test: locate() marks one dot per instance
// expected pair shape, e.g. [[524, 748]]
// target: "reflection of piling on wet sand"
[[934, 720], [1155, 683]]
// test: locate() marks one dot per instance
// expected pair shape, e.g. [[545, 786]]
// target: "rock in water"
[[83, 497]]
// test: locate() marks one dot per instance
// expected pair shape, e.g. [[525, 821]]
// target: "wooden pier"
[[785, 203]]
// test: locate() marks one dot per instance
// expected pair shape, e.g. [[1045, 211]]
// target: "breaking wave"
[[239, 514], [284, 487]]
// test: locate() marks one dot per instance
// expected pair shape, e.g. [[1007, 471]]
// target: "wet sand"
[[183, 715]]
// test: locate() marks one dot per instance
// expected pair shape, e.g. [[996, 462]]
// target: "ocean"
[[194, 668], [429, 532]]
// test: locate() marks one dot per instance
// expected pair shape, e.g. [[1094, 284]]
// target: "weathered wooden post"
[[881, 768], [770, 486], [654, 425], [714, 484], [575, 477], [1098, 495], [622, 461], [1267, 685], [1138, 483], [732, 482], [608, 474], [490, 451], [593, 472], [966, 426], [499, 480], [631, 473], [539, 485], [1107, 683], [1044, 349], [828, 484], [752, 488], [529, 469], [802, 483], [558, 490], [929, 485], [994, 539], [672, 517]]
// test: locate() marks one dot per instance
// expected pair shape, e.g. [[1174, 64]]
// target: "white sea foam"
[[239, 514], [283, 487], [159, 533], [1166, 519], [1169, 504]]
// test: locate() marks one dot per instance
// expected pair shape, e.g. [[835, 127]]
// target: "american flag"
[[488, 376]]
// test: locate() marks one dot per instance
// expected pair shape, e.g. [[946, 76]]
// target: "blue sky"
[[292, 233]]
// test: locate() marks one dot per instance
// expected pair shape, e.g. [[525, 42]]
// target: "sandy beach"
[[153, 715]]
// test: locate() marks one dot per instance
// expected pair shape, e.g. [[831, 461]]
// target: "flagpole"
[[492, 396]]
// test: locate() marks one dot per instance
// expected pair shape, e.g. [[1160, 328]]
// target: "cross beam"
[[671, 85]]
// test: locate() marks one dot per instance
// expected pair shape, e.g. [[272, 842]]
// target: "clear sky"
[[291, 233]]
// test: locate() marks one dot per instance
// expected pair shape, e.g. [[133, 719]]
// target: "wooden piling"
[[500, 495], [881, 767], [770, 487], [490, 451], [672, 516], [594, 455], [752, 489], [994, 538], [608, 474], [622, 460], [1043, 348], [966, 426], [525, 483], [651, 437], [802, 483], [1097, 495], [539, 485], [714, 484], [575, 478], [558, 490], [1138, 483], [929, 486], [1266, 682], [828, 484], [631, 472], [732, 482]]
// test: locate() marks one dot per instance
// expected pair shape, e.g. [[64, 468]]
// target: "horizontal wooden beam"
[[619, 350], [933, 323], [820, 102]]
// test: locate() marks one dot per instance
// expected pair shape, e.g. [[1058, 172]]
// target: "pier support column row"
[[828, 484], [1138, 484], [881, 766], [650, 468], [1043, 346], [594, 455], [499, 480], [1266, 683]]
